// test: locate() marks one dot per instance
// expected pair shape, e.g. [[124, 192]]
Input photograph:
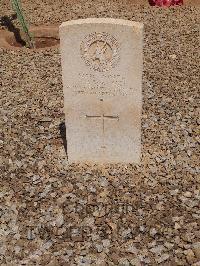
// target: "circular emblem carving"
[[100, 51]]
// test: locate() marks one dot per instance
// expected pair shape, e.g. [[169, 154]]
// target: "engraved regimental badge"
[[100, 51]]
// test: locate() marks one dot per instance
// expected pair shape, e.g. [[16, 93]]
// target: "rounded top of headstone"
[[124, 22]]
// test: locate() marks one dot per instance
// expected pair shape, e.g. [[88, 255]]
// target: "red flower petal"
[[165, 3]]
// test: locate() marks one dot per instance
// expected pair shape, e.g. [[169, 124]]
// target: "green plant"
[[28, 36]]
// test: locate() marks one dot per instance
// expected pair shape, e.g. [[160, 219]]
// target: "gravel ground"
[[53, 213]]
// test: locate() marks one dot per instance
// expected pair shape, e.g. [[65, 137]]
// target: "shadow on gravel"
[[6, 21], [62, 129]]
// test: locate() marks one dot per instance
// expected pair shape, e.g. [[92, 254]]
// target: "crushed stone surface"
[[52, 213]]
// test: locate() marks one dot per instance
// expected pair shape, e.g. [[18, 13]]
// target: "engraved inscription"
[[110, 85], [100, 51]]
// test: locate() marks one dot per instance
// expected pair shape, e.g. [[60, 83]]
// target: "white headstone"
[[102, 78]]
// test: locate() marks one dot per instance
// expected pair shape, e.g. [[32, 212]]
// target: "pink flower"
[[165, 3]]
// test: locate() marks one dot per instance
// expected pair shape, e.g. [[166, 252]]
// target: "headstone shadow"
[[62, 129]]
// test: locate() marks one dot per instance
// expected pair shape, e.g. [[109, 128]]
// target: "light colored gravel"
[[52, 213]]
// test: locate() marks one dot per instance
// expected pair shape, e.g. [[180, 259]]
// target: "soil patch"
[[44, 37]]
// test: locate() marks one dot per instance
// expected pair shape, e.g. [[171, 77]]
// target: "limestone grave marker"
[[102, 80]]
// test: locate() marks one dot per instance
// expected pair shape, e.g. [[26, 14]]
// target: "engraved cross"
[[103, 118]]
